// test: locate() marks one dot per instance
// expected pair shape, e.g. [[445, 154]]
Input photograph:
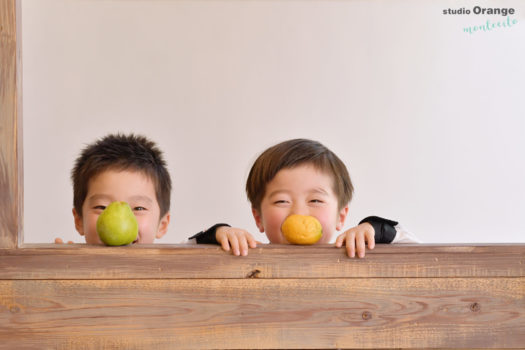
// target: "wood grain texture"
[[175, 297], [268, 261], [275, 313], [9, 161]]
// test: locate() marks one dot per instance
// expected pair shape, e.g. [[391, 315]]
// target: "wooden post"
[[10, 158]]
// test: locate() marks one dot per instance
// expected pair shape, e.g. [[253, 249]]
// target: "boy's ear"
[[78, 223], [258, 219], [341, 216], [163, 226]]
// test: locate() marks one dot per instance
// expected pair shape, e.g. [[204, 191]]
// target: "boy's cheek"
[[92, 237], [90, 230], [144, 235], [329, 227], [275, 236], [325, 239], [270, 224]]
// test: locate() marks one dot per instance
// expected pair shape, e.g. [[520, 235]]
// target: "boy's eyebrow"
[[277, 192], [318, 190], [137, 198], [98, 197]]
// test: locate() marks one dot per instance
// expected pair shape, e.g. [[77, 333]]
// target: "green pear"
[[117, 225]]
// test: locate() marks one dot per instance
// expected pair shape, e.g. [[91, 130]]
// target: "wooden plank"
[[268, 261], [164, 297], [10, 194], [271, 313]]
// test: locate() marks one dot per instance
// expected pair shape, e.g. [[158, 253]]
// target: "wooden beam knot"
[[14, 309], [475, 307], [367, 315], [254, 274]]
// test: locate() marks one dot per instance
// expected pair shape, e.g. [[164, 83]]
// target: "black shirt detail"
[[208, 236], [385, 231]]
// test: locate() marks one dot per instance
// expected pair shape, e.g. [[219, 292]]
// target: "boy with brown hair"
[[304, 177], [129, 168]]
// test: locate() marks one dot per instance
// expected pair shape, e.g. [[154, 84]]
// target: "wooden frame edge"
[[11, 191]]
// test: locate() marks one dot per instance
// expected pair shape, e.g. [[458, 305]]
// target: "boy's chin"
[[99, 242], [325, 239], [94, 242], [277, 239]]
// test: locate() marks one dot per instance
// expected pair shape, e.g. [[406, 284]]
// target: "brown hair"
[[289, 154], [121, 152]]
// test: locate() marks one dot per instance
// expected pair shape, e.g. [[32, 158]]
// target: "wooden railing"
[[174, 297], [171, 297]]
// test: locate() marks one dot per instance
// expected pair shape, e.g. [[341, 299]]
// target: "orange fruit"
[[302, 229]]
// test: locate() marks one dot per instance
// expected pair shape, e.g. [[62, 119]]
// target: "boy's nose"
[[299, 210]]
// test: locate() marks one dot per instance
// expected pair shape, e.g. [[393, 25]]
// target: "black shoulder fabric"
[[385, 231], [208, 236]]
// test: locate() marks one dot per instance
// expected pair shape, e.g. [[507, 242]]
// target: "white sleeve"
[[189, 241], [403, 236]]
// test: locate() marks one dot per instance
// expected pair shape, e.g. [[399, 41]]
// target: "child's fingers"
[[60, 241], [350, 244], [371, 240], [243, 244], [252, 243], [360, 244], [237, 240], [225, 244], [223, 239], [234, 242], [246, 241], [340, 240]]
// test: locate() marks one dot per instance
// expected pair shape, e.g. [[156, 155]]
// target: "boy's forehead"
[[304, 168], [300, 174], [117, 172], [115, 177]]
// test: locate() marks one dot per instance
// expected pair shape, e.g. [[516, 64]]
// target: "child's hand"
[[355, 238], [60, 241], [237, 238]]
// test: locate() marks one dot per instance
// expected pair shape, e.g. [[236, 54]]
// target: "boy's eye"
[[280, 202], [139, 208], [316, 201], [101, 207]]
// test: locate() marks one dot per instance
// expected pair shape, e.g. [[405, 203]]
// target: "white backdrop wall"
[[430, 120]]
